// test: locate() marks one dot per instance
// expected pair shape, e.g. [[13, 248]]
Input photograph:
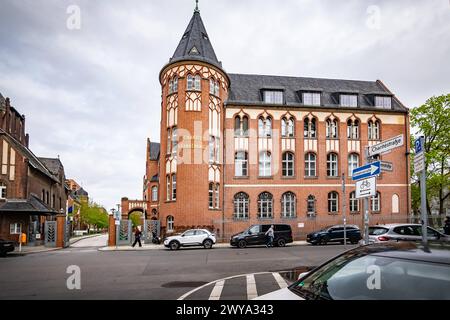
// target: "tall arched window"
[[174, 141], [311, 205], [197, 85], [374, 130], [287, 127], [288, 205], [310, 164], [211, 195], [213, 87], [170, 223], [354, 203], [309, 130], [168, 190], [265, 205], [241, 205], [190, 82], [241, 126], [332, 165], [331, 128], [353, 163], [241, 164], [353, 129], [154, 193], [265, 127], [2, 190], [174, 187], [375, 203], [175, 84], [395, 204], [333, 202], [265, 164], [288, 164]]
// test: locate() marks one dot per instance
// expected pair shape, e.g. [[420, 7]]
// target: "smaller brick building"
[[32, 189]]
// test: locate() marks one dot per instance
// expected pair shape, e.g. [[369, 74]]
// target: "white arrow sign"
[[386, 145]]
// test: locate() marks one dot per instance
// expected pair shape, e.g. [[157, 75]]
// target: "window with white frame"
[[310, 164], [331, 128], [288, 205], [309, 130], [353, 163], [265, 127], [175, 84], [311, 98], [354, 202], [174, 187], [241, 164], [170, 223], [217, 196], [265, 164], [273, 96], [193, 82], [348, 100], [332, 165], [241, 126], [174, 141], [15, 228], [213, 87], [375, 203], [374, 130], [287, 127], [353, 129], [288, 164], [311, 205], [383, 102], [241, 205], [211, 195], [168, 189], [154, 193], [2, 191], [169, 141], [265, 205], [333, 202]]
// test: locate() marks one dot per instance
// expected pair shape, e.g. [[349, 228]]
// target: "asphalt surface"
[[155, 274]]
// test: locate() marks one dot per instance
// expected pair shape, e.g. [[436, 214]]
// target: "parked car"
[[5, 247], [381, 271], [190, 238], [256, 235], [403, 232], [334, 234]]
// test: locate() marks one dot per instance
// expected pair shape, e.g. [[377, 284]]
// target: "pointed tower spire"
[[195, 44]]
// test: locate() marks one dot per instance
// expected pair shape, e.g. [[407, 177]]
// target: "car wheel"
[[323, 241], [207, 244], [174, 245], [281, 242], [242, 244]]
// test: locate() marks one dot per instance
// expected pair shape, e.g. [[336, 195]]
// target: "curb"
[[75, 240]]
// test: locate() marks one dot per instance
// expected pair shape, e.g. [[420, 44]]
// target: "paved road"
[[152, 274], [98, 241]]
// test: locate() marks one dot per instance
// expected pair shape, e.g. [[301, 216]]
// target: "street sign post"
[[386, 145], [419, 168], [367, 171], [366, 188]]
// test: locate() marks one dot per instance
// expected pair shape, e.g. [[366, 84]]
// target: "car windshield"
[[376, 231], [365, 277]]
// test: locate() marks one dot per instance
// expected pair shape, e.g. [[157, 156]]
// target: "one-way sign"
[[366, 171]]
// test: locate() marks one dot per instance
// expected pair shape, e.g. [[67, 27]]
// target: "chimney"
[[27, 140]]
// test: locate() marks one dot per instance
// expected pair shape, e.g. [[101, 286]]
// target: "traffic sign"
[[366, 171], [386, 145], [366, 188], [387, 166], [419, 162]]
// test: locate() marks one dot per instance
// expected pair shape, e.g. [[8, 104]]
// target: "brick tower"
[[194, 87]]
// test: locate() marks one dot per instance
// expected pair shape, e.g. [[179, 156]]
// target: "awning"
[[31, 206]]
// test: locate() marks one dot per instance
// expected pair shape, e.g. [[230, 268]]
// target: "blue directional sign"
[[418, 145], [366, 171]]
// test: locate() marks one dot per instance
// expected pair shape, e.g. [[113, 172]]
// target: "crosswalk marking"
[[217, 290], [281, 282], [251, 287]]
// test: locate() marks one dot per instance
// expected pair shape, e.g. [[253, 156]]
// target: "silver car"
[[402, 232]]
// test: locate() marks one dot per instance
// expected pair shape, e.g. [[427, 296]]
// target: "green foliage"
[[136, 219], [432, 120], [93, 214]]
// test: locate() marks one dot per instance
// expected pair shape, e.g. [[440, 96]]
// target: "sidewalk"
[[161, 246]]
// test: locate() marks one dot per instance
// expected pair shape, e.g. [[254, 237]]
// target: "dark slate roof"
[[195, 44], [32, 159], [154, 150], [32, 205], [247, 89], [155, 178], [81, 192], [54, 165]]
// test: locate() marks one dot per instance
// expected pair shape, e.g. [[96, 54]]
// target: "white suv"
[[192, 237]]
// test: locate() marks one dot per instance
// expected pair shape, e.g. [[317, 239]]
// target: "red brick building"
[[32, 189], [238, 149]]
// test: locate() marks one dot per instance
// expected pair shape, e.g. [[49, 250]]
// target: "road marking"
[[251, 287], [217, 290], [279, 280]]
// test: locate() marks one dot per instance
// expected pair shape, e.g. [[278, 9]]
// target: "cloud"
[[92, 95]]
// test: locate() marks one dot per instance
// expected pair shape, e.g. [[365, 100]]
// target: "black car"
[[6, 246], [334, 234], [256, 235]]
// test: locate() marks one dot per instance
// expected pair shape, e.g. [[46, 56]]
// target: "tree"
[[93, 214], [432, 120]]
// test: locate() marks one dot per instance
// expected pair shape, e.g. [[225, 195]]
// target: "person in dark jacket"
[[137, 237], [447, 226]]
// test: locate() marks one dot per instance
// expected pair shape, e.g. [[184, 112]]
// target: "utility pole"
[[343, 208], [366, 205]]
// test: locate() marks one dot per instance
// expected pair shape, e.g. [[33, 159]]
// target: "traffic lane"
[[153, 274]]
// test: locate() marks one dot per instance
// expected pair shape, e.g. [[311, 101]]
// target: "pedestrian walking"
[[447, 226], [270, 235], [137, 237]]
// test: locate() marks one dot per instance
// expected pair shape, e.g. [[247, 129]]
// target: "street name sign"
[[366, 171], [366, 188], [387, 166], [386, 145], [419, 157]]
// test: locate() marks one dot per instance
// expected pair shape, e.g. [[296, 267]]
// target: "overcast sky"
[[92, 95]]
